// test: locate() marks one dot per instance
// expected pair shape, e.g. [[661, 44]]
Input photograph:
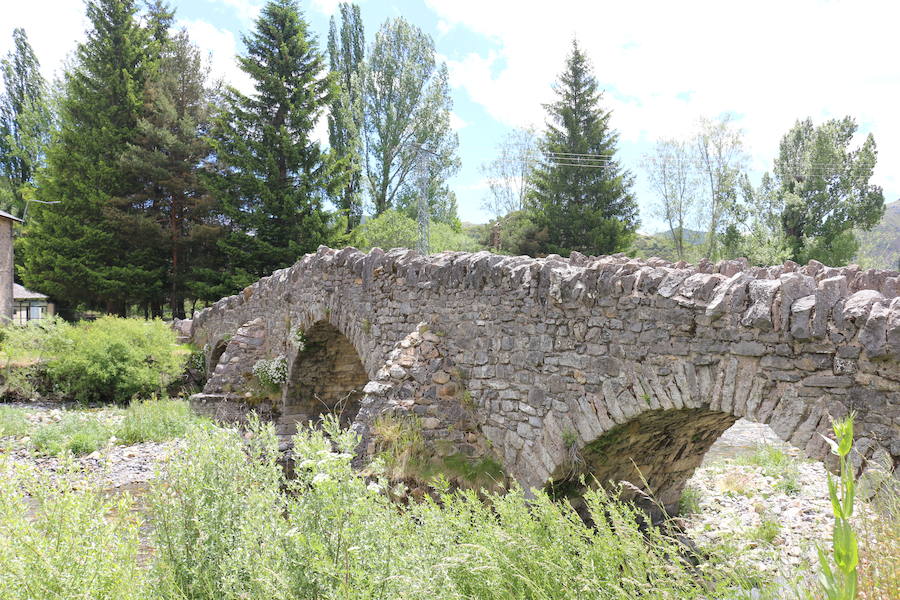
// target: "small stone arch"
[[326, 376], [215, 356]]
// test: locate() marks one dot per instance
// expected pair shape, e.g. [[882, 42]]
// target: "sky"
[[662, 65]]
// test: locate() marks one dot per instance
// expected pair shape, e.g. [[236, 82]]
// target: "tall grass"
[[230, 526], [13, 422]]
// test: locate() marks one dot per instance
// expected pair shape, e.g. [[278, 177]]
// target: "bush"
[[225, 528], [114, 359], [393, 229]]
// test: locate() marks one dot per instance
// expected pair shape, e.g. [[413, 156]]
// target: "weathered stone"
[[504, 356]]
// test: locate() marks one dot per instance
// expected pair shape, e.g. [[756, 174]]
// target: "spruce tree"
[[272, 177], [85, 249], [346, 49], [580, 194], [24, 121]]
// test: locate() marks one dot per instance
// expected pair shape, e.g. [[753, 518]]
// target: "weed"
[[76, 432], [367, 326]]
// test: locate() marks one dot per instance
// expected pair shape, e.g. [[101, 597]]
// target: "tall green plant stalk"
[[840, 582]]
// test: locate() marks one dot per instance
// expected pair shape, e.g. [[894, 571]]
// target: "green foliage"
[[689, 503], [767, 530], [271, 373], [155, 420], [77, 433], [777, 464], [825, 189], [226, 529], [346, 51], [410, 145], [89, 247], [113, 359], [393, 229], [13, 422], [587, 209], [839, 582], [271, 177], [880, 247], [24, 123], [77, 543]]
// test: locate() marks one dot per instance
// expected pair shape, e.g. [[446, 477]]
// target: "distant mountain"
[[880, 248]]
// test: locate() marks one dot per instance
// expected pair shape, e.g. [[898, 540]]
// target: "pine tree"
[[85, 249], [24, 120], [346, 49], [271, 177], [166, 158], [580, 194]]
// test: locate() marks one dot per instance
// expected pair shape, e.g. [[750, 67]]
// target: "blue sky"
[[662, 65]]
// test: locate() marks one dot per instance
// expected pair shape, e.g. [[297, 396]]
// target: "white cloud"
[[664, 64], [54, 28], [456, 121], [246, 10], [220, 48]]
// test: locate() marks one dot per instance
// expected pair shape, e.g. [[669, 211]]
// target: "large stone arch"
[[326, 376], [531, 352]]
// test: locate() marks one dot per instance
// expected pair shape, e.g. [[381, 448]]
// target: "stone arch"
[[215, 356], [652, 423], [325, 376]]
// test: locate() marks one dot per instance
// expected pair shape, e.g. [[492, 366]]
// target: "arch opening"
[[326, 377], [655, 452], [215, 356]]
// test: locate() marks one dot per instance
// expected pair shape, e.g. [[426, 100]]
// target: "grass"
[[777, 464], [767, 530], [82, 432], [689, 503], [13, 422], [878, 527]]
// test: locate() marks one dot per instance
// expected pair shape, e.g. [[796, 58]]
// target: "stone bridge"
[[553, 368]]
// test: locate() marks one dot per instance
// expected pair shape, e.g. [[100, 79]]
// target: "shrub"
[[74, 544], [114, 359], [155, 421], [689, 503]]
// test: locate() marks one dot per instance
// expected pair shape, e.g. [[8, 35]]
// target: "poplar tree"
[[346, 51], [81, 250], [271, 176], [581, 195], [24, 120]]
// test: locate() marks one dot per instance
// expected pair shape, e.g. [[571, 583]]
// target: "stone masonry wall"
[[549, 355]]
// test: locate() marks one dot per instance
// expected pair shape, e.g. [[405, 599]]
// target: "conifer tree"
[[272, 177], [24, 120], [166, 158], [346, 50], [84, 249], [580, 194]]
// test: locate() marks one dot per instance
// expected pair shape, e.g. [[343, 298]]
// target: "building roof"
[[6, 215], [21, 293]]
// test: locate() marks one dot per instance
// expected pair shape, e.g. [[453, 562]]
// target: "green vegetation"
[[65, 542], [226, 524], [767, 530], [839, 577], [777, 464], [81, 432], [114, 360], [689, 503], [13, 422], [394, 229]]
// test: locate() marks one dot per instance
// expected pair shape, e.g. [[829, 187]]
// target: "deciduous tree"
[[672, 171], [825, 186]]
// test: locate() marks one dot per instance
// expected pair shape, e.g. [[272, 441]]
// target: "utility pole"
[[422, 212]]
